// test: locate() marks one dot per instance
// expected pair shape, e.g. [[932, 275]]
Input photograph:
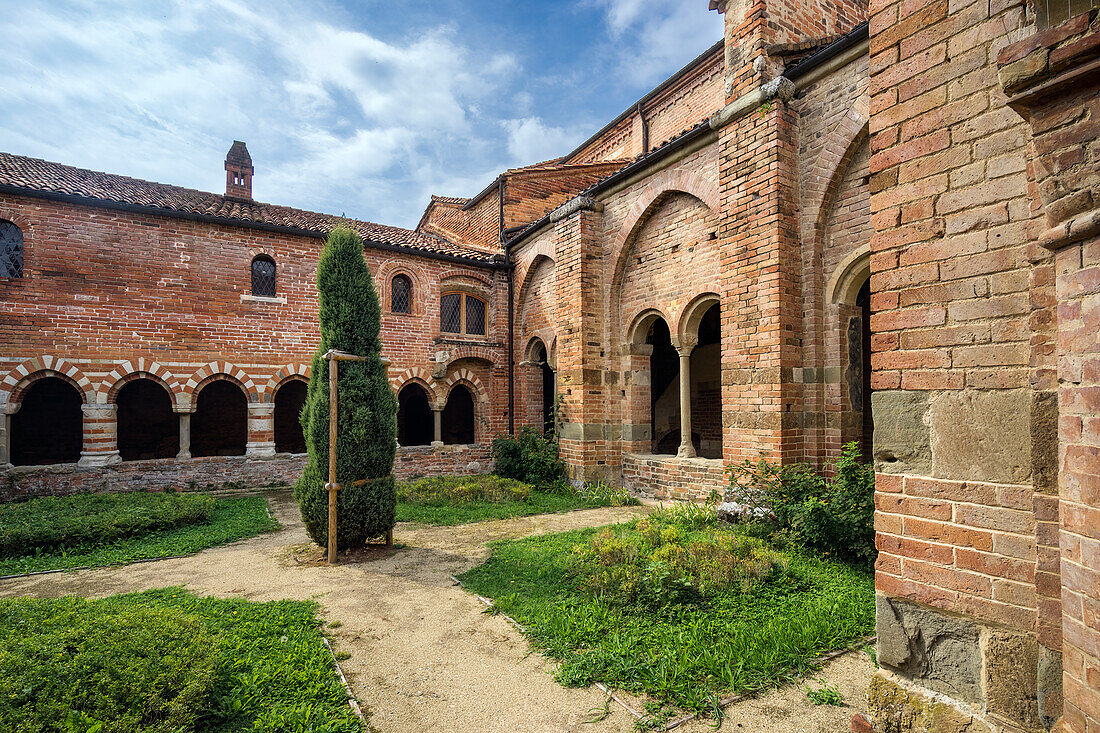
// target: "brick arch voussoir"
[[472, 351], [416, 375], [140, 368], [281, 376], [16, 382], [469, 379], [220, 370]]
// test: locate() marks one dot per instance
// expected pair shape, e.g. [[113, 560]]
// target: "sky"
[[362, 108]]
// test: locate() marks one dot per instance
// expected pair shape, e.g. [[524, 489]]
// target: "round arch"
[[692, 315], [17, 381], [640, 326], [849, 276]]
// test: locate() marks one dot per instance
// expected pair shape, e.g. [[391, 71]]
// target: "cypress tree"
[[366, 439]]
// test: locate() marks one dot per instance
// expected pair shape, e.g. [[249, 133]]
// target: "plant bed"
[[228, 520], [167, 661], [676, 607], [450, 500]]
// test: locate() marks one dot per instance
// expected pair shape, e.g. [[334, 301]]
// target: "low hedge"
[[69, 664], [53, 523]]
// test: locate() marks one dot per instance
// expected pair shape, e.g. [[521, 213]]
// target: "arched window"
[[458, 417], [263, 277], [462, 313], [289, 401], [415, 421], [147, 427], [401, 294], [49, 427], [11, 250], [219, 426]]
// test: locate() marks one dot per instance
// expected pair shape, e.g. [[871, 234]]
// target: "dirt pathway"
[[423, 655]]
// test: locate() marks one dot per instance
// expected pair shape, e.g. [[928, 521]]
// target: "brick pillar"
[[261, 430], [1051, 81], [760, 312], [585, 440], [100, 436]]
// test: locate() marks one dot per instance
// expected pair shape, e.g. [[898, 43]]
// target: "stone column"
[[684, 349], [5, 437], [185, 432], [261, 430], [100, 436], [437, 416]]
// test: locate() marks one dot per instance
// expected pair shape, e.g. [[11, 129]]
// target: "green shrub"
[[457, 490], [71, 665], [349, 315], [796, 504], [601, 494], [664, 559], [55, 523], [528, 456]]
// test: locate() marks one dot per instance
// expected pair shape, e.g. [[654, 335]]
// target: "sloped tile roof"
[[33, 176]]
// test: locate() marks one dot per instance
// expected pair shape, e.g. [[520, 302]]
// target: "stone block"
[[981, 436], [901, 432], [1011, 662], [937, 651], [1048, 686], [1044, 441], [895, 709]]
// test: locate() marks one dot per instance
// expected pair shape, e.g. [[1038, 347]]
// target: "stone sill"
[[667, 458], [278, 300]]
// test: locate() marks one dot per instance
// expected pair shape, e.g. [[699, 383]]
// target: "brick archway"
[[220, 370], [140, 369], [267, 392], [21, 377]]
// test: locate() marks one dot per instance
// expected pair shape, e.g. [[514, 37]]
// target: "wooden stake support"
[[334, 357]]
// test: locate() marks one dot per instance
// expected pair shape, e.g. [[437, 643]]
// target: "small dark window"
[[263, 277], [1050, 13], [11, 250], [450, 313], [401, 295], [462, 313]]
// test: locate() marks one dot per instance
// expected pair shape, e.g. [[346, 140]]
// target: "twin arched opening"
[[420, 424]]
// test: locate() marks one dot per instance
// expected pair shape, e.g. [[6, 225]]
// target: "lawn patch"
[[167, 661], [449, 500], [230, 520], [56, 522], [691, 612]]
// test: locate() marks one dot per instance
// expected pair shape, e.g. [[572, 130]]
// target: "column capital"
[[261, 408], [97, 409], [684, 346]]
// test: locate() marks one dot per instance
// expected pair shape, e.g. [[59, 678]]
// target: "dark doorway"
[[289, 400], [147, 427], [706, 387], [415, 421], [220, 424], [867, 436], [49, 427], [458, 417], [549, 388], [664, 413]]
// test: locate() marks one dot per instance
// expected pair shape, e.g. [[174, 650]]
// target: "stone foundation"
[[25, 482], [669, 477]]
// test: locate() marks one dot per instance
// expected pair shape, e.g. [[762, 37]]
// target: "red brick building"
[[842, 223]]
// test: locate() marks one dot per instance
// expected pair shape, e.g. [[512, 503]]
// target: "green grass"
[[739, 639], [232, 519], [450, 500], [165, 661]]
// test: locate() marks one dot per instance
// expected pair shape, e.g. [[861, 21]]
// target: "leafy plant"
[[824, 695], [664, 559], [366, 443], [603, 494], [232, 519], [528, 456], [794, 503], [53, 523]]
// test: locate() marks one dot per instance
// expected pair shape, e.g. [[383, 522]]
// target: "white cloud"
[[331, 114], [532, 141], [654, 36]]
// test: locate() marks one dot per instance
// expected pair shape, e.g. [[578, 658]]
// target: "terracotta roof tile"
[[31, 175]]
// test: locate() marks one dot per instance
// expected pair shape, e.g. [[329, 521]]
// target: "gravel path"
[[423, 655]]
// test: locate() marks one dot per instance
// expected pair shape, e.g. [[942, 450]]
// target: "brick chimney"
[[238, 172]]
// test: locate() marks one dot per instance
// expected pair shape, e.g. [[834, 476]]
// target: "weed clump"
[[666, 559], [456, 490]]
